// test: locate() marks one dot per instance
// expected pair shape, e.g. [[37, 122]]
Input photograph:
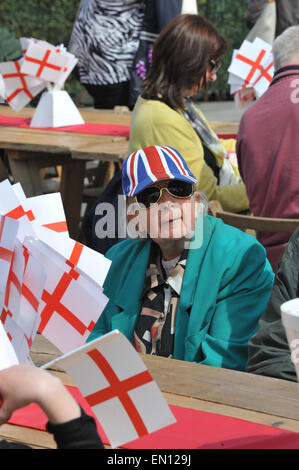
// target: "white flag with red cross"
[[20, 312], [8, 235], [20, 88], [48, 212], [71, 302], [45, 210], [46, 62], [90, 262], [252, 67], [118, 387]]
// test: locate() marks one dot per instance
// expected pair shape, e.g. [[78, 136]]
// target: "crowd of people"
[[185, 285]]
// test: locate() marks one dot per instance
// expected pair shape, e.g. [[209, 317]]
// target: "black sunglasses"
[[176, 188], [215, 65]]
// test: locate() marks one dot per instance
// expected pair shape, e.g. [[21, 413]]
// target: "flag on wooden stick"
[[118, 387]]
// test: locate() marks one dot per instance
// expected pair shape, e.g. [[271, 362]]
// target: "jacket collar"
[[129, 296], [283, 72]]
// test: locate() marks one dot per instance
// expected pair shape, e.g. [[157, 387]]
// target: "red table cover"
[[193, 430], [87, 128]]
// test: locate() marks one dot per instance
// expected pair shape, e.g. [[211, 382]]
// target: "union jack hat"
[[150, 164]]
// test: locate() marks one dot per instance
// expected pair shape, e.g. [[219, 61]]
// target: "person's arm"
[[24, 384], [253, 12], [268, 349], [243, 294]]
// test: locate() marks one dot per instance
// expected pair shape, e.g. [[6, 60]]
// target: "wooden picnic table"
[[241, 395]]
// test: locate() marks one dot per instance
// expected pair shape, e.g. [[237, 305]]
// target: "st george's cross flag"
[[19, 88], [90, 262], [19, 315], [47, 62], [71, 302], [251, 68], [118, 387], [45, 210], [8, 234]]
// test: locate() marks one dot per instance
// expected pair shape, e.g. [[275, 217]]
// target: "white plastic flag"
[[19, 88], [20, 315], [11, 206], [45, 210], [8, 234], [90, 262], [45, 62], [117, 385], [71, 302], [48, 212], [251, 68]]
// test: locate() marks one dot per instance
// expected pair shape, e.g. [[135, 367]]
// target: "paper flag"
[[251, 68], [8, 356], [45, 210], [90, 262], [46, 62], [71, 303], [20, 316], [8, 235], [117, 385], [19, 88]]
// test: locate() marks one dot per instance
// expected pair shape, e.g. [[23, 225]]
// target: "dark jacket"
[[269, 353], [78, 433], [287, 13]]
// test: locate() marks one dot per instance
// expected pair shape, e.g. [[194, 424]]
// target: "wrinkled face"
[[173, 216]]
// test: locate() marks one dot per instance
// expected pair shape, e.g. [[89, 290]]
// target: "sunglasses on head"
[[215, 65], [176, 188]]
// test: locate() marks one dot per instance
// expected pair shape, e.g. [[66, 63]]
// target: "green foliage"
[[53, 21], [228, 17], [10, 46], [49, 20]]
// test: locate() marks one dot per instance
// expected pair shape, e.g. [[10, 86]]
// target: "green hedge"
[[228, 17], [53, 21], [50, 20]]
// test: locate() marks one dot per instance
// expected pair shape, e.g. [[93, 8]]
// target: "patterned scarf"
[[155, 327], [227, 174]]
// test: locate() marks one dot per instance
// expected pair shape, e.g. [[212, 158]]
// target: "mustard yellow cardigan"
[[155, 123]]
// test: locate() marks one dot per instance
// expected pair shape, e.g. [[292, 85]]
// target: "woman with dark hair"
[[185, 57]]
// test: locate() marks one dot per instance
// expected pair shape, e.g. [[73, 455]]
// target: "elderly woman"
[[191, 287], [185, 57]]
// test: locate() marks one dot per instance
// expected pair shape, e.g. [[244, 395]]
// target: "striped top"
[[105, 39]]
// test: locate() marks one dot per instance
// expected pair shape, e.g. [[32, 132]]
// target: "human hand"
[[24, 384]]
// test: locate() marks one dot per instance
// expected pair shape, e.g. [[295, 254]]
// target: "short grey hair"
[[286, 47]]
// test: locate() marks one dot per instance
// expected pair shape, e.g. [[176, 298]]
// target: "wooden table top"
[[241, 395]]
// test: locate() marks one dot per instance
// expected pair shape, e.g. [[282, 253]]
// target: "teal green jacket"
[[226, 287]]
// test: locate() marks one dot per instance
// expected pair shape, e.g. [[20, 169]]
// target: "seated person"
[[188, 286], [269, 353], [186, 56], [71, 427]]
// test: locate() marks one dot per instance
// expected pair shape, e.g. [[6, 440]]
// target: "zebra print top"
[[105, 39]]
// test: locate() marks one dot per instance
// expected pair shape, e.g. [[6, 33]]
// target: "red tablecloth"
[[193, 430], [87, 128]]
